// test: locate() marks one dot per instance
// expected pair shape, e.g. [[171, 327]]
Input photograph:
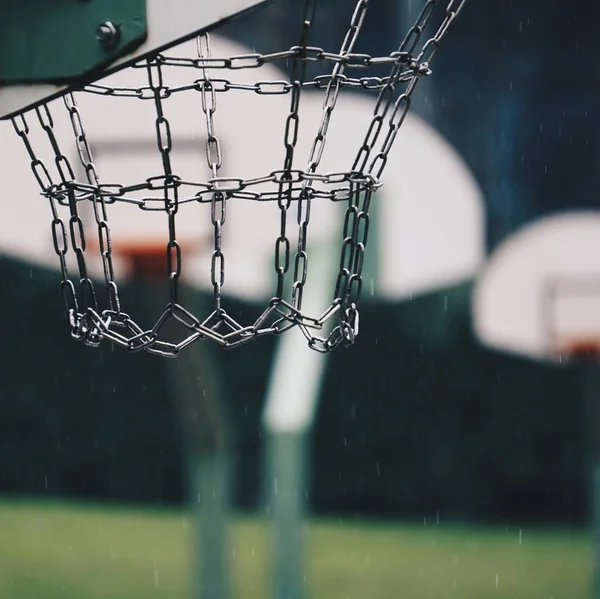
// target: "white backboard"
[[429, 224], [540, 290]]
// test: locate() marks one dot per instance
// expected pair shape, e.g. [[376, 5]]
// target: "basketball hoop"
[[94, 317]]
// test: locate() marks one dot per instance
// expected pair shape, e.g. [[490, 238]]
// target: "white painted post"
[[292, 396]]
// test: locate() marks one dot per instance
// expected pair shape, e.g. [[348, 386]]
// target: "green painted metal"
[[370, 273], [287, 472], [56, 41]]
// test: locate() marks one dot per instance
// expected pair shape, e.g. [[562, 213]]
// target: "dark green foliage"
[[436, 424], [74, 420], [415, 418]]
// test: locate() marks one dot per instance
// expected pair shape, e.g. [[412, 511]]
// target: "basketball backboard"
[[428, 230], [30, 34], [539, 295]]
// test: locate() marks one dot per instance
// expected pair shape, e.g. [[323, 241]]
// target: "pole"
[[590, 378], [294, 390], [195, 380], [196, 389]]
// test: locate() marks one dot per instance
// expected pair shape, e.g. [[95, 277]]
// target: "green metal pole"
[[371, 272], [205, 420], [197, 391], [590, 379], [287, 475]]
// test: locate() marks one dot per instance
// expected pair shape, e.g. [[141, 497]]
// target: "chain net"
[[94, 316]]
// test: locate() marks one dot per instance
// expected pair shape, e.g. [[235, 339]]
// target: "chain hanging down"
[[288, 187]]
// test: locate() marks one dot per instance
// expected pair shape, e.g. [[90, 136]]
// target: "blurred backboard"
[[428, 229], [539, 295]]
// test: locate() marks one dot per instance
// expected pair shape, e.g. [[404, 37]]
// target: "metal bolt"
[[108, 35]]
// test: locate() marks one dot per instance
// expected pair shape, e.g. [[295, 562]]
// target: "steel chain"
[[298, 76], [98, 201], [218, 197], [290, 185]]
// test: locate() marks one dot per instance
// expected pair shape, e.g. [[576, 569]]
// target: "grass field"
[[62, 551]]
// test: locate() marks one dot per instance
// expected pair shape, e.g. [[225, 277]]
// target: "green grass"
[[54, 550]]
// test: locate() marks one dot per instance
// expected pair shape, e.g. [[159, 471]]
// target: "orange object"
[[147, 260], [581, 350]]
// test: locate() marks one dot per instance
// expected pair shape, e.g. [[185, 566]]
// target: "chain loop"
[[290, 185]]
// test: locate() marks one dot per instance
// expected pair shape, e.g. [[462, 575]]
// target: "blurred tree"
[[513, 90]]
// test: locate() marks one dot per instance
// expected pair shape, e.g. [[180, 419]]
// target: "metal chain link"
[[167, 192], [395, 109], [304, 199], [98, 202], [59, 232], [218, 198]]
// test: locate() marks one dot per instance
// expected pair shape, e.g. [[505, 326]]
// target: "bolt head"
[[108, 34]]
